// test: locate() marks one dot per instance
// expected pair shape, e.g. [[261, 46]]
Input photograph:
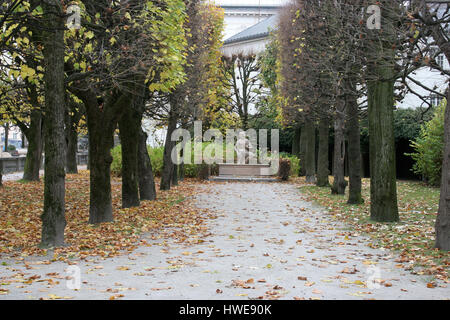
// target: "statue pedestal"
[[245, 170]]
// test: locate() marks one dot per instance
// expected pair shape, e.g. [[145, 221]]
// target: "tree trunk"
[[100, 159], [72, 120], [296, 142], [380, 87], [166, 175], [35, 145], [323, 171], [53, 217], [102, 119], [72, 149], [6, 126], [339, 183], [181, 171], [175, 169], [130, 127], [354, 152], [383, 187], [147, 190], [310, 152], [302, 150], [443, 218]]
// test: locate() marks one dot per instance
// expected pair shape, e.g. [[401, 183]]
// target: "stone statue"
[[242, 148]]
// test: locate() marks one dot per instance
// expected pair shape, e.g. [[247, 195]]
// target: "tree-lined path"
[[266, 241]]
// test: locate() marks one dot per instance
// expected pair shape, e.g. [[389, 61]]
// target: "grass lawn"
[[412, 237]]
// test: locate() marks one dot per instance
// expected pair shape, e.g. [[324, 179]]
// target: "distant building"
[[247, 27], [242, 14], [251, 40], [430, 78], [14, 137]]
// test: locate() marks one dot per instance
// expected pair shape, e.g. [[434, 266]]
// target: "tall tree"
[[354, 147], [138, 41], [322, 161], [242, 73], [381, 67], [443, 218], [147, 190], [53, 217], [435, 19]]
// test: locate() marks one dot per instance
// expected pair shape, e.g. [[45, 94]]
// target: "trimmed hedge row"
[[190, 170]]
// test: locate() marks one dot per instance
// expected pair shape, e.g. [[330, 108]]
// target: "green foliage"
[[294, 163], [429, 147], [268, 65], [156, 157], [267, 118], [11, 147], [116, 165], [408, 122], [157, 160], [407, 125]]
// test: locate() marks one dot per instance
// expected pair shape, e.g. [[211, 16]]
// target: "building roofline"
[[257, 31], [242, 39], [250, 7]]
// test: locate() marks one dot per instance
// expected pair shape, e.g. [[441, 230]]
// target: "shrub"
[[11, 147], [190, 170], [295, 163], [285, 169], [116, 165], [429, 148], [204, 171], [156, 157]]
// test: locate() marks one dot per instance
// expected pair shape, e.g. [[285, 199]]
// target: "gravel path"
[[267, 242]]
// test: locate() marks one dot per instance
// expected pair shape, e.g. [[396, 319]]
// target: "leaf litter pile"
[[413, 237], [172, 215]]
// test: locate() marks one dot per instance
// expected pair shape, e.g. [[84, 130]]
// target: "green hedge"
[[295, 163], [429, 148], [190, 170], [156, 157]]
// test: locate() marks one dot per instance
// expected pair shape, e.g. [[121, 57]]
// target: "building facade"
[[14, 137]]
